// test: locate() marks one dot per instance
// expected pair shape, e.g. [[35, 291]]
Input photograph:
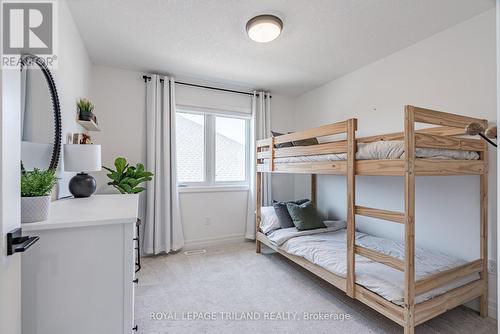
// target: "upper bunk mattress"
[[327, 249], [381, 150]]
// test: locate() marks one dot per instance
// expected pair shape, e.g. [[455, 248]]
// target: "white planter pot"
[[34, 209]]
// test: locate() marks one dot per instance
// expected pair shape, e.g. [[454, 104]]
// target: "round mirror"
[[40, 116]]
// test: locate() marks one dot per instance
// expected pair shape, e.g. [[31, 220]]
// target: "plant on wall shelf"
[[127, 178], [85, 109]]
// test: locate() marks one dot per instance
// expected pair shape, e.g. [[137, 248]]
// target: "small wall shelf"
[[89, 125]]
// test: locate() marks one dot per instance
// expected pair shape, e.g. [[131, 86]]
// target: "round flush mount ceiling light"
[[264, 28]]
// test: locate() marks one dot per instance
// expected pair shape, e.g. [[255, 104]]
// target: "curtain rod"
[[147, 78]]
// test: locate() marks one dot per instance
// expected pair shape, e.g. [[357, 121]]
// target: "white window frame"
[[209, 149]]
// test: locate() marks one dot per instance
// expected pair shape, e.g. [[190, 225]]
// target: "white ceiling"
[[205, 41]]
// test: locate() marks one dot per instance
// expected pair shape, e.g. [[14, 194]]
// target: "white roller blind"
[[201, 99]]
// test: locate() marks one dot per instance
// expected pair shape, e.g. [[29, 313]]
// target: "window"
[[230, 149], [212, 149], [190, 141]]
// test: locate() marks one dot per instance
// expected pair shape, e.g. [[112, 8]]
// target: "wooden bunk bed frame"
[[444, 136]]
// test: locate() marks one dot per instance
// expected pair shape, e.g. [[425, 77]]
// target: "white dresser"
[[79, 277]]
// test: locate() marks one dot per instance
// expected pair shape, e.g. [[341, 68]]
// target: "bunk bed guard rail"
[[269, 149]]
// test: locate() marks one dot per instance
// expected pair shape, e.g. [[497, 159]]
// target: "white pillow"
[[335, 224], [268, 219]]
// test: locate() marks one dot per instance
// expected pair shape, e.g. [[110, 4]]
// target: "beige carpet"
[[222, 290]]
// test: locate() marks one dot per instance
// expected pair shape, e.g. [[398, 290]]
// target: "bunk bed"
[[430, 151]]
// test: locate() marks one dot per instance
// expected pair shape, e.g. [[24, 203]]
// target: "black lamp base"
[[82, 185]]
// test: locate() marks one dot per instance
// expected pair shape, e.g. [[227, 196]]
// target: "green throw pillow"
[[304, 216]]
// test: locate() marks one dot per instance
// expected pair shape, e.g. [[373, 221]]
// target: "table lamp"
[[82, 159]]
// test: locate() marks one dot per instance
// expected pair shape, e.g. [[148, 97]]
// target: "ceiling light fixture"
[[264, 28]]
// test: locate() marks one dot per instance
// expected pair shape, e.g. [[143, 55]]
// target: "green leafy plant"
[[37, 182], [85, 109], [127, 178]]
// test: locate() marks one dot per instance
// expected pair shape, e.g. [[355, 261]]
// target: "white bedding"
[[280, 236], [392, 149], [327, 249]]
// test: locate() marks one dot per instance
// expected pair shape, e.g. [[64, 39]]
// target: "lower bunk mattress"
[[326, 248], [382, 150]]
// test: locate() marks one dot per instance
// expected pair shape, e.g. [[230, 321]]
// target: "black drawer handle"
[[16, 243], [135, 328], [136, 281], [138, 248]]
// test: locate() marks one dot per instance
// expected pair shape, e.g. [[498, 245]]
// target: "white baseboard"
[[207, 242], [493, 296], [492, 309]]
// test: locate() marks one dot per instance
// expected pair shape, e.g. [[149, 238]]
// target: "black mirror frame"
[[28, 60]]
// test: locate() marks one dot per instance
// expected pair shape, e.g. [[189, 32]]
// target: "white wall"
[[210, 217], [282, 120], [119, 97], [452, 71], [72, 78]]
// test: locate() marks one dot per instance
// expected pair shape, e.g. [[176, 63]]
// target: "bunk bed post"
[[351, 223], [483, 309], [258, 204], [409, 296], [313, 189]]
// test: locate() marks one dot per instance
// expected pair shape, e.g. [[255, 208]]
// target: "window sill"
[[212, 189]]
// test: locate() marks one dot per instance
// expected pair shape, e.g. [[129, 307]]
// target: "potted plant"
[[36, 187], [127, 178], [85, 110]]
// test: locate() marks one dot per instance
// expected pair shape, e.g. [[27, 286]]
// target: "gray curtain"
[[261, 126], [163, 228]]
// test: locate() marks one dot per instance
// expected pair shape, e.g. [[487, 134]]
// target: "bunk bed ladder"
[[407, 266], [392, 216]]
